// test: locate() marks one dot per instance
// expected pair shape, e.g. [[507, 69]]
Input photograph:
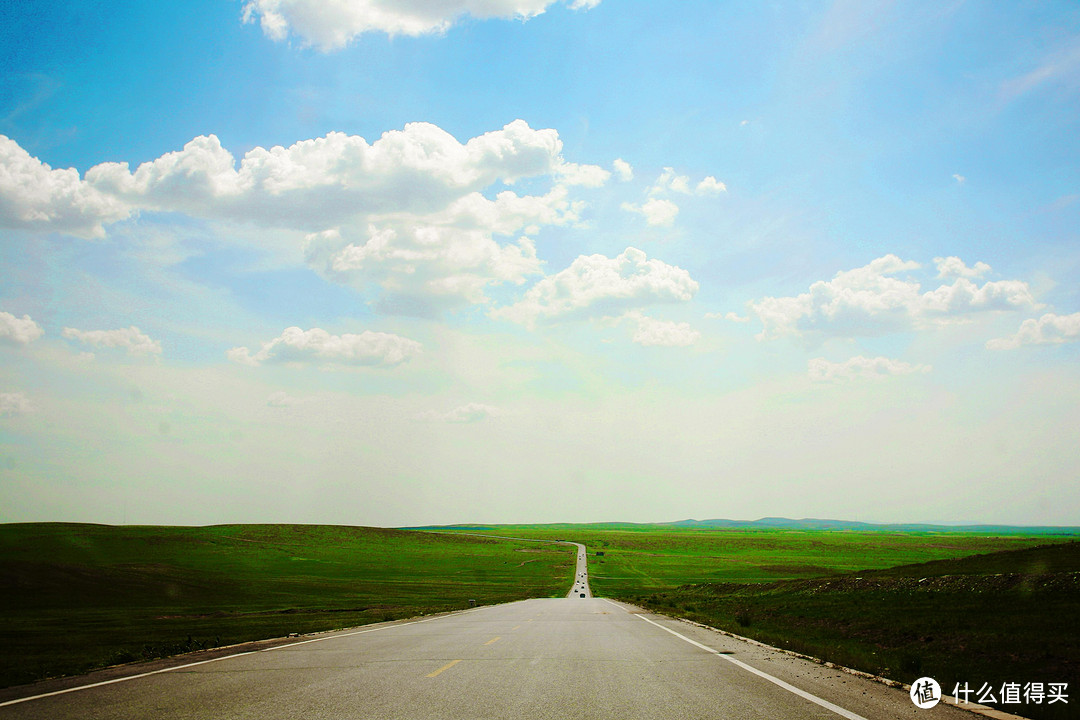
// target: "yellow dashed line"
[[447, 666], [494, 639]]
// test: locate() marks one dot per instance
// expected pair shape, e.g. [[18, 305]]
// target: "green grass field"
[[77, 597], [640, 558]]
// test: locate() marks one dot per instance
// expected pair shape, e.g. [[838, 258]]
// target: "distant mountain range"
[[778, 523], [818, 524]]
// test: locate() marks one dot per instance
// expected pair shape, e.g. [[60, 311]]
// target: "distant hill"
[[774, 523], [818, 524]]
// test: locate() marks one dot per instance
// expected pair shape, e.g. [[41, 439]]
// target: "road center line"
[[493, 640], [447, 666], [774, 680]]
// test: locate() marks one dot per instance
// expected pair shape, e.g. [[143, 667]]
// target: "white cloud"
[[623, 170], [16, 331], [472, 412], [710, 186], [332, 25], [652, 332], [315, 184], [423, 270], [596, 285], [131, 339], [37, 197], [425, 264], [860, 368], [868, 300], [405, 212], [657, 211], [586, 175], [370, 349], [15, 403], [959, 178], [668, 181], [954, 267], [1050, 329]]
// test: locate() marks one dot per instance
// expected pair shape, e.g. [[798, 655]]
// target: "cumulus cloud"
[[332, 25], [622, 169], [586, 175], [954, 267], [131, 339], [860, 368], [426, 264], [311, 185], [1050, 329], [656, 211], [669, 181], [406, 213], [15, 403], [596, 285], [470, 413], [651, 332], [659, 210], [18, 331], [318, 183], [710, 186], [368, 349], [870, 300], [35, 196]]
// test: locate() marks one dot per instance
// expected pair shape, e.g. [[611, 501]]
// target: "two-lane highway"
[[580, 588], [546, 658]]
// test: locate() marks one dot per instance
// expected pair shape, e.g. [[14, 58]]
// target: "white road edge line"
[[774, 680], [16, 701]]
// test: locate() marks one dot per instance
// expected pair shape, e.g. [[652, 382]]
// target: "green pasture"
[[76, 597], [640, 558]]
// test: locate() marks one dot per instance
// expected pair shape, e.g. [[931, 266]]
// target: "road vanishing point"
[[576, 657]]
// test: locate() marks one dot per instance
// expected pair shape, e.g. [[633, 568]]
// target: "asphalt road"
[[546, 658], [581, 575]]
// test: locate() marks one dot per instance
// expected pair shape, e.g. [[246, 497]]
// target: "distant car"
[[582, 594]]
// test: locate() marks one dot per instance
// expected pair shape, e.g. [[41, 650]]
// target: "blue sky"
[[528, 261]]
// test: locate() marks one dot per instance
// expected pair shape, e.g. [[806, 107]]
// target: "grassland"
[[648, 558], [77, 597]]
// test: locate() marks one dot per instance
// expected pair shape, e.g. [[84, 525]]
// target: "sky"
[[520, 261]]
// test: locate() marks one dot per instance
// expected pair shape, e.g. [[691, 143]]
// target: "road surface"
[[581, 575], [584, 658]]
